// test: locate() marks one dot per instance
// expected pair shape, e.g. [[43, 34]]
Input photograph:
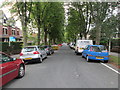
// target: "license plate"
[[99, 58], [27, 58], [80, 48]]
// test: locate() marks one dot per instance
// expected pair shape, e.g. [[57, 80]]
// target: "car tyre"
[[40, 60], [21, 71], [88, 60], [82, 55], [50, 53], [105, 61]]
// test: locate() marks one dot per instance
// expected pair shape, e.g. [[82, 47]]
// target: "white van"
[[81, 44]]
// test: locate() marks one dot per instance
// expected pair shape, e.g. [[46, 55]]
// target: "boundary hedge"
[[14, 48]]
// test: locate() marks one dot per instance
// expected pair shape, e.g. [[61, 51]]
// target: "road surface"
[[65, 69]]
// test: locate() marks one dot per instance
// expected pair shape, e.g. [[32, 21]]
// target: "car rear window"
[[103, 48], [29, 49], [46, 46], [95, 49]]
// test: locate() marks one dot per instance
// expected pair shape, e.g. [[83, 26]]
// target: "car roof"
[[31, 46], [96, 45]]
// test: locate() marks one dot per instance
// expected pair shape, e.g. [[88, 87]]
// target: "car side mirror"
[[13, 59]]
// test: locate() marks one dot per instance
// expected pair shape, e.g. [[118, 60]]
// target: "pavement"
[[115, 54], [65, 69]]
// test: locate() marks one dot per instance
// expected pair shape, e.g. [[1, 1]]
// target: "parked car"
[[96, 52], [72, 45], [81, 44], [10, 68], [60, 45], [55, 47], [33, 54], [48, 49]]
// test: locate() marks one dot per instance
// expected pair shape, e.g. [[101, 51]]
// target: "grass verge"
[[114, 59]]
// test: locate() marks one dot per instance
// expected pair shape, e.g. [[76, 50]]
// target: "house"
[[8, 29]]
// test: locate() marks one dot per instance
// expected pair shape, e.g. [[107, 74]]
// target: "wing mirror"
[[13, 59]]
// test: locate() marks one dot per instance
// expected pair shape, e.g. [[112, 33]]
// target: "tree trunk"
[[98, 35], [109, 47], [24, 27], [38, 36], [45, 36], [80, 35]]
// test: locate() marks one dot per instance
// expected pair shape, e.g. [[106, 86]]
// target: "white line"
[[111, 68]]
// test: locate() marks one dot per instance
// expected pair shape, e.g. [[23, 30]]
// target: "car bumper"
[[30, 58], [94, 58]]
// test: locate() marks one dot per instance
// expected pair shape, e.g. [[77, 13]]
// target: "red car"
[[60, 45], [10, 68]]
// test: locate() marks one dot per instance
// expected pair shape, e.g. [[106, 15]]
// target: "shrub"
[[14, 48]]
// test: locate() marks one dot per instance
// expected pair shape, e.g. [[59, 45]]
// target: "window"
[[17, 32], [29, 49], [95, 49], [5, 31], [13, 32], [87, 47], [4, 58]]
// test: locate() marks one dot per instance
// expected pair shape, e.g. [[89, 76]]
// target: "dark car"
[[48, 49], [10, 68]]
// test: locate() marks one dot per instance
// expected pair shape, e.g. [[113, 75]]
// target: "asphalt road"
[[64, 69]]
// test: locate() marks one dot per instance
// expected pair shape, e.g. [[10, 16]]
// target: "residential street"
[[65, 69]]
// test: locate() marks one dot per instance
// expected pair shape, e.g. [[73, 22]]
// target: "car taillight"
[[21, 54], [47, 48], [36, 52], [90, 55]]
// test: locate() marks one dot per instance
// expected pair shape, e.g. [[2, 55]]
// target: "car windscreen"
[[46, 46], [95, 49], [103, 48], [29, 49], [41, 48], [84, 43]]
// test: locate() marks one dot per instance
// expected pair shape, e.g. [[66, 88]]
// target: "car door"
[[41, 52], [9, 69], [85, 52], [44, 52]]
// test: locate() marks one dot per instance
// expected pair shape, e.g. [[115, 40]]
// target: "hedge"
[[14, 48]]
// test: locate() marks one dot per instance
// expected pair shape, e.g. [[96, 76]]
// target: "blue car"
[[96, 52]]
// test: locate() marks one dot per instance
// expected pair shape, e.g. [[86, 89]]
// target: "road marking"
[[110, 68]]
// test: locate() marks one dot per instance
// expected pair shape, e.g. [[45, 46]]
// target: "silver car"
[[33, 54]]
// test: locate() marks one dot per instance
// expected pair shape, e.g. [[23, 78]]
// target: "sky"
[[8, 14]]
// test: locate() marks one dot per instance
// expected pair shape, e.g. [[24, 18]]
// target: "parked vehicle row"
[[90, 51], [72, 45], [15, 68]]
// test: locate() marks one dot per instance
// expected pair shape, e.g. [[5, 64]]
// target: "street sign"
[[12, 39]]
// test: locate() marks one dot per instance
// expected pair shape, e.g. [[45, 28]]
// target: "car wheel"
[[21, 71], [88, 60], [40, 60], [105, 61], [50, 53], [82, 55]]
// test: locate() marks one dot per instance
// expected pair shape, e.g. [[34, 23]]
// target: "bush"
[[14, 48]]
